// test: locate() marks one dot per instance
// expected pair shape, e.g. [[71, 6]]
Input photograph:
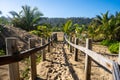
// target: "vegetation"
[[25, 73], [1, 28], [58, 23], [3, 19], [74, 30], [0, 12], [42, 31], [114, 48], [68, 27], [106, 28], [2, 52], [27, 18]]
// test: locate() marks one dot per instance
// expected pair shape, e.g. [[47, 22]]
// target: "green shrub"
[[2, 52], [114, 48], [108, 42], [25, 73], [1, 28], [105, 42]]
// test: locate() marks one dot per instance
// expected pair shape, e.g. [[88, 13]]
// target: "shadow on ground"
[[74, 75]]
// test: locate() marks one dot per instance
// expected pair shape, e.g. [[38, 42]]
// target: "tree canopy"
[[105, 26], [28, 18]]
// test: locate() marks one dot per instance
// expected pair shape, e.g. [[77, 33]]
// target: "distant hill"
[[58, 22]]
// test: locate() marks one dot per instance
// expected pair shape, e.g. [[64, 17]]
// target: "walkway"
[[57, 65], [60, 65]]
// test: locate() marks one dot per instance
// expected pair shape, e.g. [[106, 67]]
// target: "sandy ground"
[[61, 66], [4, 72]]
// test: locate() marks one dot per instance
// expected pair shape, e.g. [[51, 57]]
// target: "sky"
[[63, 8]]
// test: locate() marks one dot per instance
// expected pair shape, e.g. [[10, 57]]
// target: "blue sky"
[[63, 8]]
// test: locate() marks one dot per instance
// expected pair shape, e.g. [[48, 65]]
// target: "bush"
[[1, 28], [108, 42], [105, 42], [114, 48], [2, 52], [25, 73]]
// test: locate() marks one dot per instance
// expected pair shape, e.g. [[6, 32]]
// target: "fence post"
[[11, 49], [70, 45], [51, 39], [32, 60], [73, 49], [76, 50], [55, 36], [43, 51], [48, 45], [88, 61]]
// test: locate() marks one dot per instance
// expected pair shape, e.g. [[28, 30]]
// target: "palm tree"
[[105, 27], [117, 25], [110, 26], [92, 29], [17, 19], [103, 24], [67, 27], [0, 12], [27, 18], [42, 31], [0, 22]]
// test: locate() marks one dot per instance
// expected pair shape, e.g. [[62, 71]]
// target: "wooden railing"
[[14, 56], [111, 66]]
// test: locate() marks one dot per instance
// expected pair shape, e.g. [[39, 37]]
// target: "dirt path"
[[60, 65], [56, 64]]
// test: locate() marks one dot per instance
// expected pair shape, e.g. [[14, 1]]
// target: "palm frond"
[[67, 26], [14, 14]]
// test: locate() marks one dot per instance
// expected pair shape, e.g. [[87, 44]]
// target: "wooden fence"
[[14, 56], [111, 66]]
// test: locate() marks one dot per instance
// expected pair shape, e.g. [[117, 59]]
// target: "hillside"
[[21, 35]]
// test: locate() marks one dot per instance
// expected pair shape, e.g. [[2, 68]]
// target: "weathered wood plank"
[[51, 40], [55, 36], [32, 60], [48, 45], [7, 59], [116, 71], [105, 62], [43, 51], [11, 49], [70, 45], [76, 50], [88, 60]]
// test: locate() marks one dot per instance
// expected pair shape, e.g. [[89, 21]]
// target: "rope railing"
[[111, 66]]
